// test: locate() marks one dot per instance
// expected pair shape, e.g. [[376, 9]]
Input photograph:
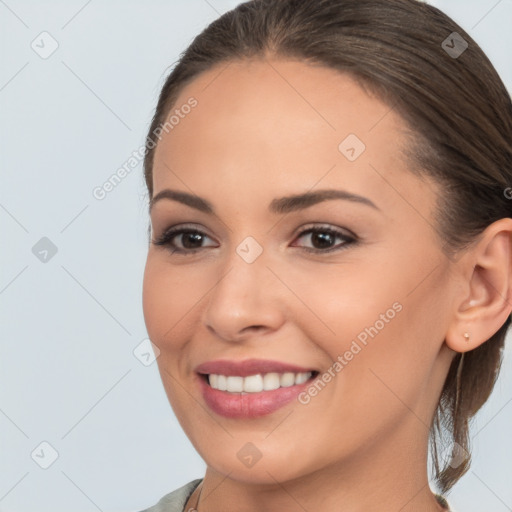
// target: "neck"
[[387, 475]]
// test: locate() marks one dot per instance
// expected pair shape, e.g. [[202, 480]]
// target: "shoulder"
[[175, 500]]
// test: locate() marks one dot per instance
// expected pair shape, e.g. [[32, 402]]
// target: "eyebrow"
[[279, 205]]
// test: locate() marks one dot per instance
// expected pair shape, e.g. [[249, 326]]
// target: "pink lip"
[[248, 405], [248, 367]]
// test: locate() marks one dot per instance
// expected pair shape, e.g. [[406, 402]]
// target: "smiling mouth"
[[258, 382]]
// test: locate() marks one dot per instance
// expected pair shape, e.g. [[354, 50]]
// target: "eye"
[[182, 239], [188, 240], [323, 239]]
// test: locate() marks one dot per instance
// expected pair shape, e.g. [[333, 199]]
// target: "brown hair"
[[456, 105]]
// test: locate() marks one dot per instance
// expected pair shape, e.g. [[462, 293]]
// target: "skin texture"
[[264, 129]]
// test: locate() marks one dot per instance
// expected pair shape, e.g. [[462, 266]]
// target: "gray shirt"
[[176, 500]]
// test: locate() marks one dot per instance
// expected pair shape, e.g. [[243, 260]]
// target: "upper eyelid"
[[327, 227], [183, 227], [299, 231]]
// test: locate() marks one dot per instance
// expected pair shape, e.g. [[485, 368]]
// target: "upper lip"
[[248, 367]]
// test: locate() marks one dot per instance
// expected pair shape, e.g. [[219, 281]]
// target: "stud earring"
[[466, 336]]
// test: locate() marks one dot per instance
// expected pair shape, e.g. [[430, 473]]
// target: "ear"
[[485, 299]]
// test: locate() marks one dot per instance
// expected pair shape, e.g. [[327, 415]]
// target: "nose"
[[246, 302]]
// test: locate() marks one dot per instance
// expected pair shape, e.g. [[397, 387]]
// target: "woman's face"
[[352, 286]]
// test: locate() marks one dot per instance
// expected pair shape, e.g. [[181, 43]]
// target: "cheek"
[[395, 298], [343, 302], [169, 295], [382, 328], [168, 298]]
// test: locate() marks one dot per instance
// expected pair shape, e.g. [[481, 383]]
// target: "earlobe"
[[486, 300]]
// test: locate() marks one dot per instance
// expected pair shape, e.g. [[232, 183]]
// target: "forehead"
[[267, 124]]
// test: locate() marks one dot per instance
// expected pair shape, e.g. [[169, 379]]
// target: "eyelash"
[[166, 239]]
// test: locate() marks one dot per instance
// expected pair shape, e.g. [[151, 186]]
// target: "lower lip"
[[249, 405]]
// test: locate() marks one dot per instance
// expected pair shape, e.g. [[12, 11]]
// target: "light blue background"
[[69, 326]]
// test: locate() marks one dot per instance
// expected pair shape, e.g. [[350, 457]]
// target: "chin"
[[257, 463]]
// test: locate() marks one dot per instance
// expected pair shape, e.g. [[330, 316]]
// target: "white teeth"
[[253, 384], [257, 383], [287, 380], [221, 382], [214, 381], [300, 378], [271, 381], [235, 384]]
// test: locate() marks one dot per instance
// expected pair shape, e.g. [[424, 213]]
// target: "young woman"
[[329, 274]]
